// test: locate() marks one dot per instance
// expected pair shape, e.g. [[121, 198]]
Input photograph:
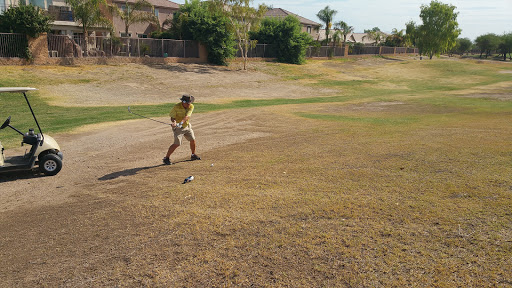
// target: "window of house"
[[156, 12], [125, 34], [38, 3], [142, 35], [309, 29]]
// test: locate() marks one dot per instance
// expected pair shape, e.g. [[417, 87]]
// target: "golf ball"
[[211, 165]]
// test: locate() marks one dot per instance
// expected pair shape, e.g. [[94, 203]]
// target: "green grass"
[[365, 120], [350, 83], [54, 119]]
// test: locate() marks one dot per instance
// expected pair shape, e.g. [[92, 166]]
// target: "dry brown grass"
[[398, 193]]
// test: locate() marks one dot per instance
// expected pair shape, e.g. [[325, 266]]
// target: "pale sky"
[[476, 17]]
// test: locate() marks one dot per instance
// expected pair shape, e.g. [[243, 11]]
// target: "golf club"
[[129, 110]]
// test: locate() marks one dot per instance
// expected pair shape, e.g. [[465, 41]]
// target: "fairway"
[[372, 172]]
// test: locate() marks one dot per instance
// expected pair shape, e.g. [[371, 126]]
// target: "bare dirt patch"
[[133, 84], [97, 151]]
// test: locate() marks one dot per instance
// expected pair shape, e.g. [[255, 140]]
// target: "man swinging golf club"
[[180, 116]]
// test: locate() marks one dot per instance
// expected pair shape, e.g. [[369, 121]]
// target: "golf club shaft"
[[129, 110]]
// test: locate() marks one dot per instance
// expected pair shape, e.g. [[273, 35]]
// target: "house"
[[58, 10], [311, 27], [163, 10], [65, 25]]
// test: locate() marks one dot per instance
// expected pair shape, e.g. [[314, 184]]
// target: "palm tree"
[[374, 34], [326, 15], [133, 13], [345, 30], [397, 37], [89, 13], [337, 37]]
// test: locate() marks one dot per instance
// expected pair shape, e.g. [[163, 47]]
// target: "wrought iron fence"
[[13, 45], [96, 46]]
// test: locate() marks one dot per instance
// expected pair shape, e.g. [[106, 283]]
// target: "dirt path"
[[95, 154]]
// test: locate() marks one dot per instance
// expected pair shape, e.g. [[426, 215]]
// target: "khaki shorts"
[[180, 132]]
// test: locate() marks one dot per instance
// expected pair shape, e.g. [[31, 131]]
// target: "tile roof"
[[281, 13]]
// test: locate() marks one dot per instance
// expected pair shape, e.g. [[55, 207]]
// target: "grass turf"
[[370, 188]]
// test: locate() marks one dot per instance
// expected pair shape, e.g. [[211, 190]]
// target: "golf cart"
[[44, 151]]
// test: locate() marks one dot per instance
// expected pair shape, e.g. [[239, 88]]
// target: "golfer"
[[180, 116]]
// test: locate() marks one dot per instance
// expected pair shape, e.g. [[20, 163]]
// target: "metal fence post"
[[184, 50]]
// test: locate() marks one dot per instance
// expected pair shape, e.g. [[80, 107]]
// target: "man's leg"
[[193, 146], [171, 150]]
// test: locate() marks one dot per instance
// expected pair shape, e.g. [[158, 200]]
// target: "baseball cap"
[[187, 98]]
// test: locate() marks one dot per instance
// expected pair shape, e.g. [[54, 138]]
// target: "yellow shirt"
[[179, 112]]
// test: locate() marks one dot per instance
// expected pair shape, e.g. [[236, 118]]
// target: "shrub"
[[25, 19], [206, 23], [287, 40]]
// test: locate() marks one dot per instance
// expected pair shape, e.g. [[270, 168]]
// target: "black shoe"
[[167, 161], [194, 157]]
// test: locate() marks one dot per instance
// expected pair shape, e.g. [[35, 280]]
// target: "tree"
[[396, 39], [487, 43], [374, 34], [463, 45], [244, 19], [135, 13], [440, 29], [326, 15], [345, 29], [207, 23], [25, 19], [505, 46], [374, 29], [337, 37], [285, 36], [89, 13], [411, 34]]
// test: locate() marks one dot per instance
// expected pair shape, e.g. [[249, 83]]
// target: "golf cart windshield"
[[16, 89]]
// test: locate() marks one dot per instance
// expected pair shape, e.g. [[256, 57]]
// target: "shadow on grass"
[[199, 68], [134, 171], [392, 59]]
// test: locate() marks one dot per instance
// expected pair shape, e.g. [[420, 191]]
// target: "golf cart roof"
[[16, 89]]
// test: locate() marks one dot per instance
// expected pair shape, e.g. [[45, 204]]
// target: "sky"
[[476, 17]]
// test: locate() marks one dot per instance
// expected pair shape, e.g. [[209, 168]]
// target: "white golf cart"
[[44, 151]]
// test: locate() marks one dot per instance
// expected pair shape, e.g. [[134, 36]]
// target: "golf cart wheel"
[[50, 164]]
